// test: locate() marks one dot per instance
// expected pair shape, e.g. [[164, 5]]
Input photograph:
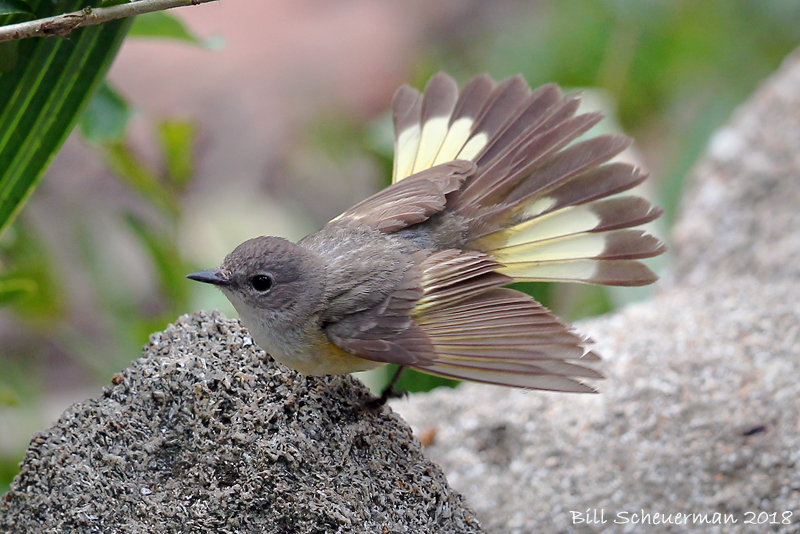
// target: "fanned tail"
[[538, 201]]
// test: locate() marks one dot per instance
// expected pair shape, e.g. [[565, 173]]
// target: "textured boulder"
[[206, 434]]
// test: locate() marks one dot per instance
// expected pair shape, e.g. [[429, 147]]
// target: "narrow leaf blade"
[[42, 98]]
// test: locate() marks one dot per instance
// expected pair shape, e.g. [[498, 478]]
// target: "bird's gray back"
[[363, 266]]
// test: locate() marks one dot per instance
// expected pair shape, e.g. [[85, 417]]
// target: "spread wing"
[[482, 332], [450, 317], [412, 200]]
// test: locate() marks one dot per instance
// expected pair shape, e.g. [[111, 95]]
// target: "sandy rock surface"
[[206, 434]]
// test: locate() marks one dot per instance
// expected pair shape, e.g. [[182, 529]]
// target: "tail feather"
[[589, 271], [437, 107], [601, 216], [503, 107], [591, 186], [567, 165], [623, 244], [623, 212], [533, 367], [462, 122], [494, 181], [601, 182], [447, 120], [407, 106], [537, 201], [538, 108]]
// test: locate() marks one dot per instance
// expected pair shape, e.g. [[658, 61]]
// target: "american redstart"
[[489, 187]]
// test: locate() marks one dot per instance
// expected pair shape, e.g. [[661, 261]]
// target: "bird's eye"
[[261, 282]]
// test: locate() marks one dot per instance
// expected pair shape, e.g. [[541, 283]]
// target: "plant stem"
[[61, 25]]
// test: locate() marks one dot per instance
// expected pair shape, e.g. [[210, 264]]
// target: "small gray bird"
[[488, 188]]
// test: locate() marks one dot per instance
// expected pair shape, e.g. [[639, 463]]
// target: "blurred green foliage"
[[674, 71], [25, 259], [40, 103], [44, 85], [106, 117], [15, 7], [162, 25]]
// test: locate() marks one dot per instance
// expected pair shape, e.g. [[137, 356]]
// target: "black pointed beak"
[[210, 276]]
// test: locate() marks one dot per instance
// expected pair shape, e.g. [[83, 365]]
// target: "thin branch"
[[63, 24]]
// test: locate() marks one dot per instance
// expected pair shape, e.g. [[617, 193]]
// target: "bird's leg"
[[389, 392]]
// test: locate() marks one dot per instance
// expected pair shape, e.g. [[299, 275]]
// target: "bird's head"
[[273, 283]]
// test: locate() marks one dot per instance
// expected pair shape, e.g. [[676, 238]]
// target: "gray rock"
[[700, 412], [206, 434], [742, 209]]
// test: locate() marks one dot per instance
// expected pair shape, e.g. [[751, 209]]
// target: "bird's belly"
[[318, 358], [325, 358]]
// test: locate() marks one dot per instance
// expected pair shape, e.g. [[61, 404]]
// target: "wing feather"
[[482, 332], [410, 201]]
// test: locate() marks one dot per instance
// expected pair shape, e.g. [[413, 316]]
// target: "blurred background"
[[269, 117]]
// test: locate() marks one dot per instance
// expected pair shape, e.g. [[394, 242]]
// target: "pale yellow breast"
[[325, 358]]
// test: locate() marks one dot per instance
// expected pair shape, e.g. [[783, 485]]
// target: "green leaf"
[[161, 25], [43, 96], [166, 259], [14, 288], [15, 7], [8, 397], [31, 284], [124, 163], [416, 382], [9, 55], [576, 301], [177, 139], [105, 118]]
